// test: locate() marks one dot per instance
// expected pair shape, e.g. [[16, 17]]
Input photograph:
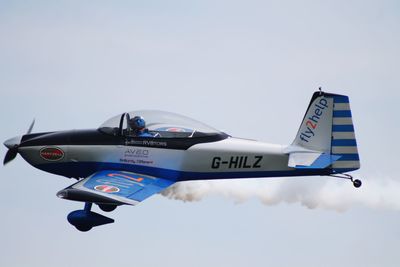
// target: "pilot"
[[138, 127]]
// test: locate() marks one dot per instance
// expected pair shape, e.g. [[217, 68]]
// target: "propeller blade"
[[31, 127], [11, 154]]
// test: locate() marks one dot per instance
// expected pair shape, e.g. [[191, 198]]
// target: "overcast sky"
[[246, 67]]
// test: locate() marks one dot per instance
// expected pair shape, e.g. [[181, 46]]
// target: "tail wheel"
[[357, 183]]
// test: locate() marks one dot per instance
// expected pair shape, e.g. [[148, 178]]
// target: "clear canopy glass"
[[161, 124]]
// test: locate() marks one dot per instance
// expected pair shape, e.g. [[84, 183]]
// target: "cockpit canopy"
[[160, 124]]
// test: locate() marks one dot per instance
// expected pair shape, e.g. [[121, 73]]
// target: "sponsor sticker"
[[176, 130], [51, 153], [136, 153], [315, 115], [126, 176], [106, 188], [146, 143]]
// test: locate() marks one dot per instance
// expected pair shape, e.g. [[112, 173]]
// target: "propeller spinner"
[[13, 145]]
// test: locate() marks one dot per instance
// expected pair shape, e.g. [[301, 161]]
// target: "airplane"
[[114, 165]]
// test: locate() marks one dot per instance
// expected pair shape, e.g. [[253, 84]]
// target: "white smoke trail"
[[312, 192]]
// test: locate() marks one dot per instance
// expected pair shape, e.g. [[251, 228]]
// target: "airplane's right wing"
[[115, 188]]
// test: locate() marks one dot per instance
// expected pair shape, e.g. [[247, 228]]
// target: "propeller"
[[13, 145], [31, 127]]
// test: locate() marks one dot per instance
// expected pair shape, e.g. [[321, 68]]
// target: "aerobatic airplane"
[[135, 155]]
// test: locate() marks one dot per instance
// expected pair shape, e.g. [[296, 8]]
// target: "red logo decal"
[[137, 179], [107, 188], [176, 130], [52, 153]]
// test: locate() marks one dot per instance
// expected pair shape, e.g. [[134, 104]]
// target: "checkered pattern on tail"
[[343, 138]]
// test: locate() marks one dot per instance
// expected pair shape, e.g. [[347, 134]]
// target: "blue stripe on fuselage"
[[84, 169]]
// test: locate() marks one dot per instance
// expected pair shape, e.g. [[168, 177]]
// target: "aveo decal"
[[237, 162], [136, 156], [136, 153], [52, 153], [313, 120]]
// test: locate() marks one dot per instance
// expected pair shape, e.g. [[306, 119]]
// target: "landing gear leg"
[[356, 182], [85, 228], [88, 206]]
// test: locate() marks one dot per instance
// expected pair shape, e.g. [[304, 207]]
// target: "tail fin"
[[327, 132]]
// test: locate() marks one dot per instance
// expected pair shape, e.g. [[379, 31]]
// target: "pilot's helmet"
[[137, 122]]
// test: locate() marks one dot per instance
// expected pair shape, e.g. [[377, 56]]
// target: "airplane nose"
[[13, 142], [12, 145]]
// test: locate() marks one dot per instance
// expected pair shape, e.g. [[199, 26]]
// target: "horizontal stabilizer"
[[311, 160]]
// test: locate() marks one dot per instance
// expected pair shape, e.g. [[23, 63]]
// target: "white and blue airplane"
[[116, 165]]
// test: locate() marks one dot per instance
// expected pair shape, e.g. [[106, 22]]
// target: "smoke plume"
[[311, 192]]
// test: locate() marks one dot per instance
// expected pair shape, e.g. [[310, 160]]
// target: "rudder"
[[344, 142]]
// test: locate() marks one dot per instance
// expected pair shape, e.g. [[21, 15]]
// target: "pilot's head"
[[137, 123]]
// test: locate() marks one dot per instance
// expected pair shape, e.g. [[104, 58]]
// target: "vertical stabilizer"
[[327, 128]]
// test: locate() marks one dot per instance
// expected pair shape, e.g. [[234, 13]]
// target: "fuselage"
[[128, 158], [80, 153]]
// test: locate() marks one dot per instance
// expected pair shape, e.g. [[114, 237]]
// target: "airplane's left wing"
[[115, 188]]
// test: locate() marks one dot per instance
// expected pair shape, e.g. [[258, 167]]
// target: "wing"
[[115, 187]]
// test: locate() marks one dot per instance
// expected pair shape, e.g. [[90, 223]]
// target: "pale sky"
[[246, 67]]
